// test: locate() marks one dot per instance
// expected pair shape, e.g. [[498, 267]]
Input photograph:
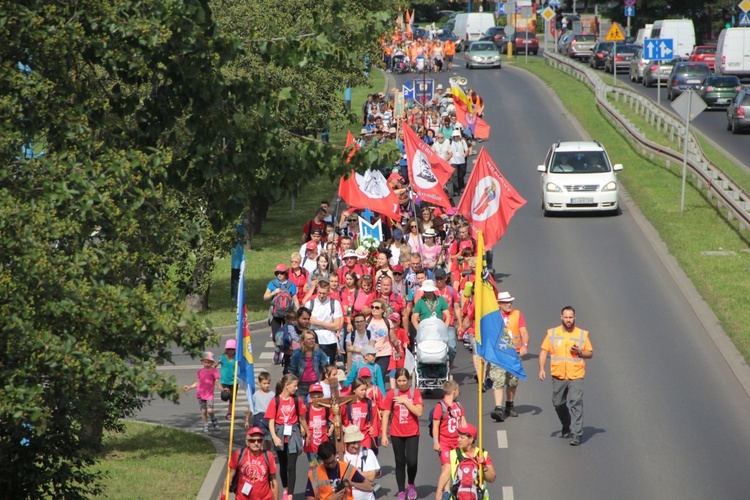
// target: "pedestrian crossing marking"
[[266, 355], [502, 439], [507, 492]]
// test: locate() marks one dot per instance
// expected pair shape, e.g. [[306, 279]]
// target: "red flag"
[[350, 142], [428, 172], [479, 127], [489, 201], [370, 191]]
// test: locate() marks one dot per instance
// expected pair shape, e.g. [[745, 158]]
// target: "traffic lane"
[[639, 320], [712, 122]]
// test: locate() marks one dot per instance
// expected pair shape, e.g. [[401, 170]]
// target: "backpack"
[[354, 332], [282, 302], [443, 415], [393, 402], [368, 417], [465, 473], [297, 400], [311, 305], [236, 478]]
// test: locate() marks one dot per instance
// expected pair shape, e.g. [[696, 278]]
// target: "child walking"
[[227, 362], [318, 419], [364, 414], [261, 398], [447, 417], [204, 389]]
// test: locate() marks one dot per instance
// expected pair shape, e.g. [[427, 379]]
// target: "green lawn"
[[280, 236], [152, 461], [722, 281]]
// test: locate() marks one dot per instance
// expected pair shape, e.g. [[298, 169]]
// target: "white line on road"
[[270, 345], [507, 492], [266, 355], [502, 439]]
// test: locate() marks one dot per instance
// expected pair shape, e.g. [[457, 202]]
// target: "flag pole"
[[240, 322], [478, 292]]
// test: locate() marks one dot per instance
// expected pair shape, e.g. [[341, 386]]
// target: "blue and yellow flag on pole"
[[493, 345], [245, 368]]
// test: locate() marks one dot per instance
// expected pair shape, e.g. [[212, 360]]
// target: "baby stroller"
[[400, 65], [432, 354]]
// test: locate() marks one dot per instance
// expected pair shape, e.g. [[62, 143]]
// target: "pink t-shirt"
[[206, 381], [308, 375]]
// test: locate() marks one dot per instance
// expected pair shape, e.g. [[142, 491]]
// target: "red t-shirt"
[[404, 422], [359, 418], [287, 411], [256, 471], [318, 424], [403, 337], [448, 430], [449, 294], [299, 280], [396, 302]]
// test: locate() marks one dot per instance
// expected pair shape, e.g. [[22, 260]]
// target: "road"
[[664, 417]]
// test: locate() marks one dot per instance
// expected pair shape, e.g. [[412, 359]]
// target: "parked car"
[[719, 91], [637, 65], [524, 41], [618, 59], [657, 70], [704, 53], [496, 35], [562, 41], [738, 113], [579, 47], [482, 54], [686, 75], [420, 33], [599, 54], [444, 34], [578, 176]]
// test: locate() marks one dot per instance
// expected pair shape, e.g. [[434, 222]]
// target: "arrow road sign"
[[629, 11], [659, 49]]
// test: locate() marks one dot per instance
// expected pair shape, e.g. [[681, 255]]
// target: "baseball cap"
[[368, 349], [315, 388], [398, 268], [469, 430], [254, 430], [364, 371], [440, 273], [281, 268], [456, 133], [311, 245]]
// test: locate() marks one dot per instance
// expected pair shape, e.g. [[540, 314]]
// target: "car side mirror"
[[617, 167], [542, 168]]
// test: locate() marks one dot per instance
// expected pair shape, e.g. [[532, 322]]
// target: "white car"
[[578, 177]]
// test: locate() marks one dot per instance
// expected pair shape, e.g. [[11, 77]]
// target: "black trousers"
[[406, 452]]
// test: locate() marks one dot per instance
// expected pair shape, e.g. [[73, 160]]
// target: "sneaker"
[[286, 496], [565, 434], [229, 416], [215, 423], [411, 492], [498, 415], [575, 441], [401, 495], [205, 428], [511, 412]]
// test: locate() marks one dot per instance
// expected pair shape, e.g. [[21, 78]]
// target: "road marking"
[[266, 355], [507, 492], [502, 439], [270, 345]]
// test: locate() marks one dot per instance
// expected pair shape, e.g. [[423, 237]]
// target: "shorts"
[[500, 378], [261, 422], [206, 404], [448, 58], [445, 454]]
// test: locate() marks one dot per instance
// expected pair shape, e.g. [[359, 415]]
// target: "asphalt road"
[[664, 416]]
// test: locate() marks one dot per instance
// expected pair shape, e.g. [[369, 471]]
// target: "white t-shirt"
[[442, 148], [371, 464], [459, 150], [322, 311]]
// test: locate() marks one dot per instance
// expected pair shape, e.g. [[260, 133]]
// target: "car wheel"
[[729, 124], [535, 52], [614, 213]]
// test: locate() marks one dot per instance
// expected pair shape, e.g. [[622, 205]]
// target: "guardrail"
[[729, 195]]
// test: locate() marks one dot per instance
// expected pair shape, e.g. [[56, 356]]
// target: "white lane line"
[[507, 492], [502, 439], [270, 345], [266, 355]]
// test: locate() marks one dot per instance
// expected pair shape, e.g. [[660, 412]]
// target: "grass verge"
[[280, 236], [723, 281], [151, 460]]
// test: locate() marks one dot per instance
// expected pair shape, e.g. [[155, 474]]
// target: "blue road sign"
[[658, 48], [629, 11], [554, 3], [744, 19], [501, 8], [408, 88]]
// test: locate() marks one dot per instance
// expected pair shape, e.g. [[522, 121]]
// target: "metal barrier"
[[729, 195]]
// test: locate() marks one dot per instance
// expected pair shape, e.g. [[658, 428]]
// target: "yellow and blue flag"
[[493, 343], [245, 367]]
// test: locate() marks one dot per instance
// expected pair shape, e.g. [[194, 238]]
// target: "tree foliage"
[[152, 128]]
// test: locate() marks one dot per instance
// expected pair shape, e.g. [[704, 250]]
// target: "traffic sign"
[[408, 88], [659, 49], [500, 8], [744, 5], [556, 3], [615, 34], [688, 105], [744, 19], [629, 11], [548, 13], [631, 3]]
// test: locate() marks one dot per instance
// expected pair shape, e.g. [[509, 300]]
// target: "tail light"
[[740, 111], [710, 88], [640, 64], [496, 37], [738, 88], [618, 58], [653, 67], [573, 42]]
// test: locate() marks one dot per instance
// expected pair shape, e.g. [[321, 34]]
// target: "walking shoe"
[[511, 412], [215, 423], [285, 496], [498, 415], [229, 416], [401, 495], [575, 441], [205, 428], [411, 492], [565, 434]]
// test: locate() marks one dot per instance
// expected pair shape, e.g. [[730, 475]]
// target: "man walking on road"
[[516, 325], [567, 346]]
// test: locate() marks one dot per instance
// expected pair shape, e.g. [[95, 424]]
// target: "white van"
[[643, 34], [733, 52], [681, 31], [470, 26]]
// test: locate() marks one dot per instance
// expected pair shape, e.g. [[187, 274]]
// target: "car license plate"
[[722, 100], [581, 201], [693, 82]]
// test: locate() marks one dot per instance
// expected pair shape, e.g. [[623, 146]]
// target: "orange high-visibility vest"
[[321, 485], [514, 329], [563, 364]]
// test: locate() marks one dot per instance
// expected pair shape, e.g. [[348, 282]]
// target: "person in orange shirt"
[[477, 102], [567, 346], [450, 50]]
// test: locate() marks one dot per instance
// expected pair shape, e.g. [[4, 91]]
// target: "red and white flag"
[[489, 201], [479, 127], [371, 191], [428, 171]]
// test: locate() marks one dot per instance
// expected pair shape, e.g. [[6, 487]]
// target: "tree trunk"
[[258, 214], [197, 300]]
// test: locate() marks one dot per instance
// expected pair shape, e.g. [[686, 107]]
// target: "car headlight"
[[610, 186], [552, 188], [495, 58]]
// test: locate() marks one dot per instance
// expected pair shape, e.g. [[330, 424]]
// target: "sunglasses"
[[254, 440], [352, 220], [398, 274], [377, 308]]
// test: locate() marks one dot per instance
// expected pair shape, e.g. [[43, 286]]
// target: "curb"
[[214, 480], [701, 309]]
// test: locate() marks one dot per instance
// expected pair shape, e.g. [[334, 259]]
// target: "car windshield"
[[481, 47], [692, 70], [723, 81], [585, 38], [524, 34], [604, 46], [579, 162], [626, 49], [705, 50]]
